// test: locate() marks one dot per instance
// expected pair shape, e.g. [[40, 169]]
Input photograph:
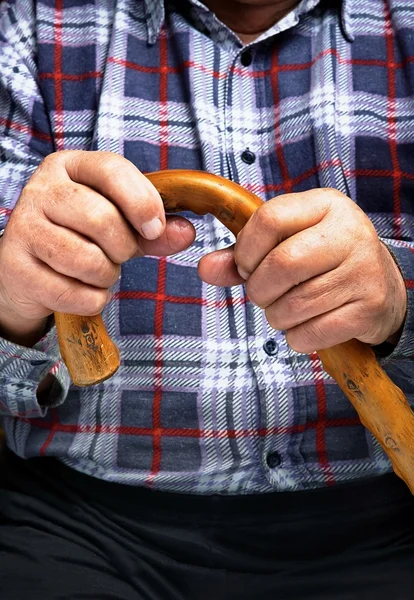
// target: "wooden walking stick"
[[91, 356]]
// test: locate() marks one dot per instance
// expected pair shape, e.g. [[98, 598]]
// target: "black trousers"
[[66, 536]]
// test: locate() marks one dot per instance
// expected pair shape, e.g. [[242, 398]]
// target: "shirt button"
[[271, 348], [37, 363], [248, 157], [246, 58], [273, 460]]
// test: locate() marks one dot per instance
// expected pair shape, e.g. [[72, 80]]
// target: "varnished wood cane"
[[91, 356]]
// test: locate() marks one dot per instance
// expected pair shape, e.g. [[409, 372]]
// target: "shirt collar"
[[155, 16]]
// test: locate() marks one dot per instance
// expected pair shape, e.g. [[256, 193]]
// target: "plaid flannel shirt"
[[208, 399]]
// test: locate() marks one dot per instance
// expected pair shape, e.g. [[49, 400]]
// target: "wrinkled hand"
[[81, 215], [314, 263]]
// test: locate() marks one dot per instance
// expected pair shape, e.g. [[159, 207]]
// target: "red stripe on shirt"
[[55, 425], [392, 120], [138, 295], [188, 64], [321, 423], [287, 182], [24, 129], [162, 269], [93, 429], [73, 77], [58, 51]]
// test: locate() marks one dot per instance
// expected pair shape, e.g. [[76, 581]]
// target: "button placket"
[[248, 157], [271, 347], [273, 460], [246, 58]]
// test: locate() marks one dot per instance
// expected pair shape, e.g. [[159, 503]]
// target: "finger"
[[327, 330], [117, 179], [178, 235], [315, 297], [276, 221], [68, 253], [218, 268], [59, 293], [81, 209], [299, 258]]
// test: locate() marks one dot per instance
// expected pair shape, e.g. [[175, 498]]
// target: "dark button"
[[273, 460], [15, 69], [248, 157], [246, 58], [271, 347], [37, 363]]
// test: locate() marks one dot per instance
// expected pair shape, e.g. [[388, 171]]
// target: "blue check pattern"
[[208, 399]]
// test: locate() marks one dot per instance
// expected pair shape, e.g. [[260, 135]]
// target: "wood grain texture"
[[86, 348], [92, 357], [381, 405], [204, 193]]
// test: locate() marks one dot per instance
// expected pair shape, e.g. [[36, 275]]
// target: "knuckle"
[[39, 194], [267, 218], [41, 242], [109, 225], [245, 270], [96, 302], [66, 192], [48, 161], [113, 276], [329, 196], [287, 259], [114, 167], [32, 195], [96, 269], [274, 319], [331, 192], [362, 323], [295, 303], [254, 293], [32, 188], [54, 159], [378, 302], [240, 256], [51, 164], [312, 336], [104, 218], [64, 299], [22, 229], [80, 300]]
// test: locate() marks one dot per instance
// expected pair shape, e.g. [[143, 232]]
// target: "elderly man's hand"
[[314, 262], [81, 215]]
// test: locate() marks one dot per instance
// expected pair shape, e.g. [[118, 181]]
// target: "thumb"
[[218, 268], [178, 235]]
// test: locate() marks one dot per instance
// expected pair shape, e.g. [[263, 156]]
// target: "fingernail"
[[153, 229], [243, 273]]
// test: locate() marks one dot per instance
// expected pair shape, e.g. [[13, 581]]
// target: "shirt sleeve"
[[25, 139], [403, 253]]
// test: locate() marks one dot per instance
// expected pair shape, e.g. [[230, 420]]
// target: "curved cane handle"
[[86, 348], [92, 357]]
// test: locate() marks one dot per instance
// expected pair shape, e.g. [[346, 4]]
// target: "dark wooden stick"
[[92, 357]]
